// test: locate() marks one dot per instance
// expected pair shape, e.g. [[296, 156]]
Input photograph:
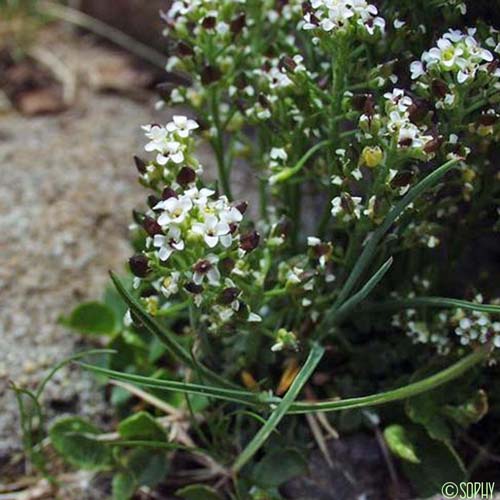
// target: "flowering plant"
[[370, 147]]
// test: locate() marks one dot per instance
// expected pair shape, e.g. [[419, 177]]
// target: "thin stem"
[[405, 392], [261, 437]]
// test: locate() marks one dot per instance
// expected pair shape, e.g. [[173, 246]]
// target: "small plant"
[[371, 142]]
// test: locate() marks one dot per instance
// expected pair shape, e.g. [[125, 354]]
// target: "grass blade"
[[166, 337], [235, 395], [439, 302], [369, 250], [265, 431], [407, 391], [361, 295]]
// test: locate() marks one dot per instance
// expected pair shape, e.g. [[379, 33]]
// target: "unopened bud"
[[250, 241], [139, 265]]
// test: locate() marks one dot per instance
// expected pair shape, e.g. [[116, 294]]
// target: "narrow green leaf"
[[288, 172], [407, 391], [438, 302], [92, 318], [238, 396], [260, 438], [369, 250], [299, 407], [166, 337], [358, 297], [64, 362], [400, 444]]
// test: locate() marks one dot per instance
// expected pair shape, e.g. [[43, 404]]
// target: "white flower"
[[333, 15], [170, 284], [207, 269], [168, 243], [175, 210], [230, 215], [278, 154], [157, 136], [213, 230], [171, 151], [199, 196], [181, 125]]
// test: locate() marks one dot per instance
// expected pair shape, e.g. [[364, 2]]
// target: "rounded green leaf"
[[400, 444], [75, 439], [141, 425], [149, 467], [92, 318], [124, 486], [197, 492], [279, 466]]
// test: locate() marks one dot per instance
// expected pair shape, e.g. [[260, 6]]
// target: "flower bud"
[[186, 176], [167, 193], [250, 241], [153, 200], [210, 74], [140, 165], [193, 288], [238, 24], [439, 88], [241, 206], [227, 265], [151, 226], [139, 265], [184, 50], [229, 295], [372, 156], [209, 22]]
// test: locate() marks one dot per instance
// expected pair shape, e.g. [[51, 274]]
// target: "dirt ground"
[[67, 188]]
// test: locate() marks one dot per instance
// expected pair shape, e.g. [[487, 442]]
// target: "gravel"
[[67, 189]]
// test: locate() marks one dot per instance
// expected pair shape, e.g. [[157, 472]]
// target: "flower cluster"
[[468, 327], [336, 15], [194, 245], [173, 147], [457, 60], [403, 127]]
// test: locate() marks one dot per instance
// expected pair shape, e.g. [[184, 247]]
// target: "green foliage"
[[123, 486], [77, 441], [198, 492], [439, 464], [92, 318], [400, 443], [278, 466], [141, 426]]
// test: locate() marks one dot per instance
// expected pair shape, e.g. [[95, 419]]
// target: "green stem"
[[261, 437], [405, 392]]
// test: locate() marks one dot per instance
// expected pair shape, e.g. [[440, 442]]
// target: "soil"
[[67, 189]]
